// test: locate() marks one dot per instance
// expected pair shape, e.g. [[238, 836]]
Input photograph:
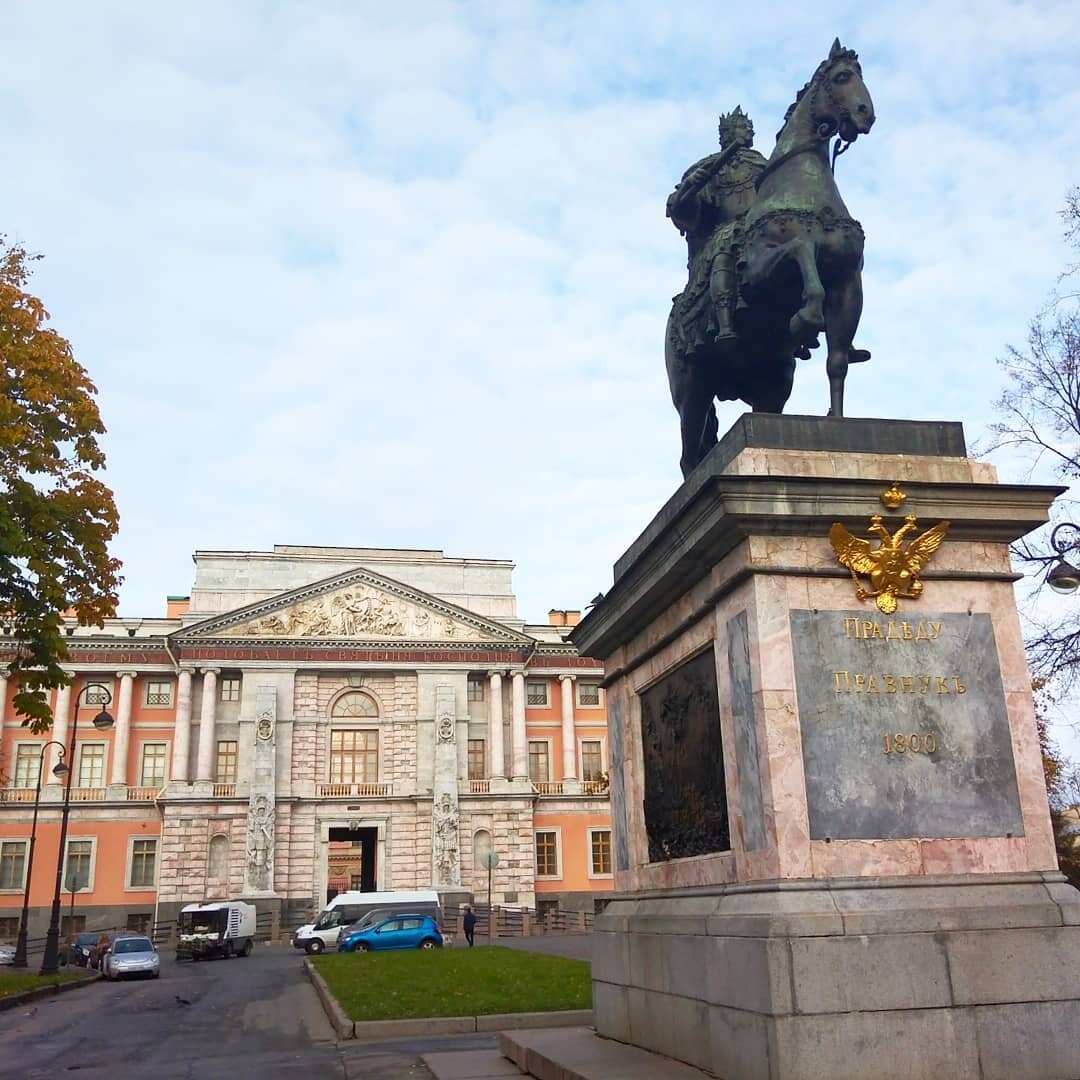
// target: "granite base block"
[[966, 977]]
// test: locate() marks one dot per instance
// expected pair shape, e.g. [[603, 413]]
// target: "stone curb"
[[334, 1012], [436, 1025], [13, 1001]]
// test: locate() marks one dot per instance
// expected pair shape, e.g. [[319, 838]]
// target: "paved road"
[[253, 1018], [256, 1017]]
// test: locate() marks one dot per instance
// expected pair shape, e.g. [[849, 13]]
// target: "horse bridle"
[[824, 132]]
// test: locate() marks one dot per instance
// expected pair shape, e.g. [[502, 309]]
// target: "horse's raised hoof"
[[858, 356]]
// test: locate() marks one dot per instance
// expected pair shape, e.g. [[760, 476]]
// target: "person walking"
[[469, 924]]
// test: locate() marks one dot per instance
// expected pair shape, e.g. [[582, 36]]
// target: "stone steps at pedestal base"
[[581, 1054]]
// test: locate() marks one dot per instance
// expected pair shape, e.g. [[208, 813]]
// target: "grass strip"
[[454, 982], [15, 982]]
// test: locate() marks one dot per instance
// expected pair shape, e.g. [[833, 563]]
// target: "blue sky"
[[351, 273]]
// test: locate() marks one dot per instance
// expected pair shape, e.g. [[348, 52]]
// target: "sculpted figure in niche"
[[261, 842]]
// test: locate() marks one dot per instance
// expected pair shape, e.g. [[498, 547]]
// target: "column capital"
[[496, 673], [129, 674], [210, 670], [515, 672], [186, 669], [567, 678]]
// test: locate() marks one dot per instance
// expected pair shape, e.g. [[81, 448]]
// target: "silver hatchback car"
[[131, 956]]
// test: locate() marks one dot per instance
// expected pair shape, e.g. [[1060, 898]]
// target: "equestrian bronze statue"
[[774, 259]]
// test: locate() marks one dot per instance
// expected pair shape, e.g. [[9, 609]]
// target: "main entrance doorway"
[[351, 861]]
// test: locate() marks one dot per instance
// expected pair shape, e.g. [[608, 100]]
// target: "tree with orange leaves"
[[56, 517]]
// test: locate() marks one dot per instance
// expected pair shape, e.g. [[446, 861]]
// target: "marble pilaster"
[[519, 747], [182, 731], [569, 741], [122, 731], [204, 769], [496, 750]]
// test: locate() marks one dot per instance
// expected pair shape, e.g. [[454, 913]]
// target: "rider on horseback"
[[708, 207]]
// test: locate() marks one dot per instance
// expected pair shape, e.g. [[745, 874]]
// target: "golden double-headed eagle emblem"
[[893, 567]]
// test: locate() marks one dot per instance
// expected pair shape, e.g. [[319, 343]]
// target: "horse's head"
[[840, 101]]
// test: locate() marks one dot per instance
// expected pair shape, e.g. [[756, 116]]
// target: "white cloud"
[[350, 274]]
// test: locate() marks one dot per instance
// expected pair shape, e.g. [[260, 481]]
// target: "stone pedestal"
[[831, 833]]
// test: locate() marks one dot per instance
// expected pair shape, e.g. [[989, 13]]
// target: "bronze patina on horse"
[[774, 259]]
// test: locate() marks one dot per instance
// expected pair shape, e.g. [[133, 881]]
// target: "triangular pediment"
[[357, 606]]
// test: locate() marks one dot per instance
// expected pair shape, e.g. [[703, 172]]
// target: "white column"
[[61, 713], [519, 747], [496, 751], [204, 769], [569, 741], [181, 749], [123, 728], [3, 695]]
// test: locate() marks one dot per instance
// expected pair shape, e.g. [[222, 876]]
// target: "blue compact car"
[[396, 932]]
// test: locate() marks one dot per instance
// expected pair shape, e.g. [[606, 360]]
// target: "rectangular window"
[[72, 925], [600, 849], [592, 759], [152, 772], [12, 864], [80, 854], [539, 769], [92, 765], [588, 693], [143, 862], [97, 692], [477, 762], [547, 854], [536, 693], [158, 692], [9, 929], [226, 761], [354, 757], [27, 764], [140, 921], [476, 688], [230, 689], [356, 882]]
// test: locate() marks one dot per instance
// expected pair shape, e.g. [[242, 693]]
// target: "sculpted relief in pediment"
[[358, 612]]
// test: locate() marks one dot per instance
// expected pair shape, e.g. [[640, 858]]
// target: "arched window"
[[481, 846], [218, 867], [354, 705]]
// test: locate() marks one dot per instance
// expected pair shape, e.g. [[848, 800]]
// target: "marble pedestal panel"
[[969, 978], [889, 761]]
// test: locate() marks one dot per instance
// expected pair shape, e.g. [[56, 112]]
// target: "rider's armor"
[[708, 207]]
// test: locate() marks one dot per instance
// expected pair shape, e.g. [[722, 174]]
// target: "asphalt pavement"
[[254, 1017]]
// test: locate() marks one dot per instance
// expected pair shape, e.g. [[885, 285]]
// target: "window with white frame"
[[13, 864], [354, 704], [592, 759], [230, 688], [27, 765], [354, 756], [97, 692], [476, 687], [588, 693], [547, 853], [152, 768], [225, 773], [477, 760], [79, 863], [536, 692], [539, 763], [158, 693], [143, 867], [91, 765], [599, 852]]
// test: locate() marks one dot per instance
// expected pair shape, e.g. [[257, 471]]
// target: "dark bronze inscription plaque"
[[685, 800]]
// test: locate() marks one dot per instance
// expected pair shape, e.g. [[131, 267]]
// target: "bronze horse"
[[799, 258]]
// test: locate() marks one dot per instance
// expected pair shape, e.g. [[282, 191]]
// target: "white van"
[[348, 907]]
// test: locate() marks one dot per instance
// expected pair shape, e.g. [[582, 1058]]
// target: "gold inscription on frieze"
[[918, 742], [893, 630], [858, 682]]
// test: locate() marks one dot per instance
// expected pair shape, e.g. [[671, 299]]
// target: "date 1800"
[[915, 743]]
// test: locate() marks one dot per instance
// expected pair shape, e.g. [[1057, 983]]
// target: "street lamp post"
[[58, 770], [103, 721], [1063, 576]]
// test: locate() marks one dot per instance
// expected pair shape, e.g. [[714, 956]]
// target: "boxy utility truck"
[[223, 928]]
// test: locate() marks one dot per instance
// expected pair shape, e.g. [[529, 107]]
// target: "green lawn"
[[15, 982], [454, 982]]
